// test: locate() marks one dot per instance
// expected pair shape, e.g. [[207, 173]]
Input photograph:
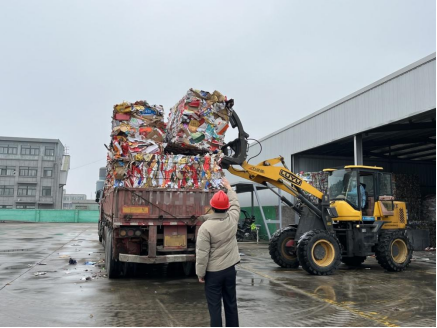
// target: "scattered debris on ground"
[[72, 261]]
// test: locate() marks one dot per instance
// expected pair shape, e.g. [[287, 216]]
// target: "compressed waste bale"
[[198, 122], [429, 208], [406, 188], [137, 129], [169, 171]]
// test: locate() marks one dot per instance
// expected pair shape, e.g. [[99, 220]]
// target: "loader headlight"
[[123, 233], [138, 233], [332, 212]]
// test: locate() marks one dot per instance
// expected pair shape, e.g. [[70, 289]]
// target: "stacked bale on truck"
[[156, 185]]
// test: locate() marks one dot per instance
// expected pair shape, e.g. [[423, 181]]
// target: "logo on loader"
[[253, 168], [290, 177]]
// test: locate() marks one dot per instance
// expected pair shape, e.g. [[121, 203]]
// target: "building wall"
[[31, 189]]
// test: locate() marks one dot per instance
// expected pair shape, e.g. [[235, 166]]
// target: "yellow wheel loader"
[[356, 218]]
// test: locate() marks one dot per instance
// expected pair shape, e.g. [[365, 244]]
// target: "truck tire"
[[354, 261], [99, 231], [394, 251], [319, 252], [282, 248], [187, 268], [111, 266]]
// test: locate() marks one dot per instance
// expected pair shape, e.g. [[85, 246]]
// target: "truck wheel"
[[354, 261], [319, 252], [282, 248], [99, 231], [188, 268], [111, 265], [394, 251]]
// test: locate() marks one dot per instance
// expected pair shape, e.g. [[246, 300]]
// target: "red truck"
[[150, 226]]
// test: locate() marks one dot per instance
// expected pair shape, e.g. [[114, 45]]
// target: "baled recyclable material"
[[198, 122]]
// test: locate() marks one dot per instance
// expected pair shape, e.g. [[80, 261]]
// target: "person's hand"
[[202, 280], [226, 183]]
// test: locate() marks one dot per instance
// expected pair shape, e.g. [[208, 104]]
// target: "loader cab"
[[360, 187]]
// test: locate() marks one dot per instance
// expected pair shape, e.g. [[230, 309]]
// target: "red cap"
[[220, 201]]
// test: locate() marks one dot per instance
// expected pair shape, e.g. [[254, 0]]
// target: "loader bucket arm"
[[238, 147]]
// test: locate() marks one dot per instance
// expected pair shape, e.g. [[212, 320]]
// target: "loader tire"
[[394, 251], [354, 261], [112, 266], [283, 255], [319, 252]]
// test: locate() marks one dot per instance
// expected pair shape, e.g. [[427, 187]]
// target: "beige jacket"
[[216, 245]]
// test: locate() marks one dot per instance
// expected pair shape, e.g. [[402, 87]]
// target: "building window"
[[6, 190], [24, 190], [48, 172], [49, 152], [27, 150], [26, 207], [7, 170], [8, 150], [6, 206], [26, 171], [46, 191]]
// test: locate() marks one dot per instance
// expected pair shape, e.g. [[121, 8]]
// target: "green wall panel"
[[269, 212], [66, 216]]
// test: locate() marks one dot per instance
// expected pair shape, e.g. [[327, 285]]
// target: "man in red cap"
[[216, 256]]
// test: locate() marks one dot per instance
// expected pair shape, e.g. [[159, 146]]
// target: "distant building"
[[79, 202], [102, 177], [33, 173]]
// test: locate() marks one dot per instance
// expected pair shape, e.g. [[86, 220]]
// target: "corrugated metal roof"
[[406, 92]]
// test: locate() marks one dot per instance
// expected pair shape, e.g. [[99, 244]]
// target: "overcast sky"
[[64, 64]]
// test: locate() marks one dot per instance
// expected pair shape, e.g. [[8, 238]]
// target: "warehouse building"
[[390, 123], [33, 173], [79, 202]]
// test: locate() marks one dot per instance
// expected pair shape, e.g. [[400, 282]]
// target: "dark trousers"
[[218, 285]]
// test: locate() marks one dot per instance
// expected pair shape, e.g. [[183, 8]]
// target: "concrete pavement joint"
[[361, 314]]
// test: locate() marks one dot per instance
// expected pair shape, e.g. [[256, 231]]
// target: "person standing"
[[217, 254]]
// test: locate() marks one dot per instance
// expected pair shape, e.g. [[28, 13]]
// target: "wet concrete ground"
[[267, 294]]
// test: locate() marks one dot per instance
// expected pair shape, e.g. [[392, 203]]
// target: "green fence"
[[269, 212], [64, 216], [83, 216]]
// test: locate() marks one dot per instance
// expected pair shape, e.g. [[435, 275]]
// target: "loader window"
[[342, 185]]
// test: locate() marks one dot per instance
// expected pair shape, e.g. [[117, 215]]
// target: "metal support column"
[[266, 223], [358, 149], [280, 208], [251, 202], [262, 211]]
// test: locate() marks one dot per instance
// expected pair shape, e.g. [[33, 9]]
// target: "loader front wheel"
[[319, 252], [394, 251], [282, 248]]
